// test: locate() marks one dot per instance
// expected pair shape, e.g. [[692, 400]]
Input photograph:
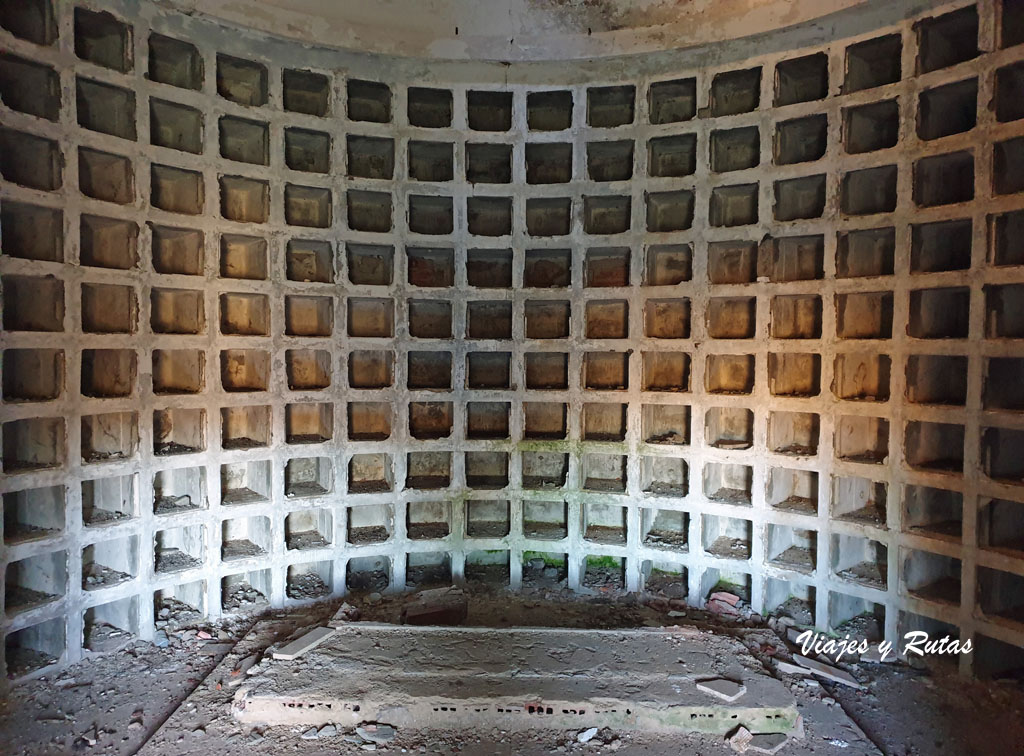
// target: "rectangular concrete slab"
[[306, 643]]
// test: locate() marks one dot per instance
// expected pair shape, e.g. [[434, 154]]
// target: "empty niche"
[[545, 421], [33, 514], [732, 262], [796, 316], [606, 371], [244, 370], [35, 647], [604, 422], [244, 200], [546, 162], [545, 520], [946, 40], [665, 529], [34, 21], [672, 156], [603, 573], [729, 427], [862, 377], [489, 111], [174, 62], [306, 92], [667, 318], [859, 500], [102, 39], [668, 264], [1007, 168], [308, 529], [793, 433], [860, 560], [244, 538], [429, 108], [491, 567], [492, 164], [673, 211], [243, 257], [731, 317], [369, 421], [245, 483], [935, 447], [873, 63], [245, 427], [931, 577], [431, 420], [548, 216], [489, 268], [947, 179], [667, 424], [1004, 384], [486, 470], [311, 580], [949, 109], [727, 537], [791, 548], [37, 375], [544, 569], [867, 191], [672, 101], [610, 106], [549, 111], [371, 211], [735, 92], [489, 320], [431, 371], [732, 206], [1001, 454], [604, 523], [34, 581], [611, 215], [547, 268], [179, 549], [309, 261], [607, 319], [800, 140], [311, 423], [547, 370], [735, 149], [1008, 83], [939, 313], [484, 420], [308, 476], [179, 431], [370, 473], [32, 232], [935, 379], [370, 264], [244, 314], [371, 157], [428, 161], [110, 499], [371, 369], [175, 126], [30, 161], [108, 308], [610, 161], [1005, 232], [430, 319], [430, 267], [178, 371], [489, 216], [871, 127], [425, 568], [664, 476], [241, 81], [371, 318], [728, 483], [793, 491], [491, 370], [604, 472], [308, 151], [800, 198], [547, 319], [1000, 523], [105, 108], [794, 258], [1004, 312], [864, 315], [861, 438], [370, 523], [801, 79], [33, 304], [428, 470], [308, 316], [106, 177], [427, 519], [866, 252], [176, 191], [431, 216], [544, 470]]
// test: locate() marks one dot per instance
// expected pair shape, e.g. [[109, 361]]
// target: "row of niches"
[[104, 40], [33, 232], [35, 162]]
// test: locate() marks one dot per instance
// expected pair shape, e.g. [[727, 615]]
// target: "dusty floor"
[[117, 703]]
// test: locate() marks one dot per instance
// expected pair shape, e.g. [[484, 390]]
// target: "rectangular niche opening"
[[308, 316], [111, 436], [873, 63], [35, 443], [604, 473], [939, 313], [174, 62], [938, 513], [791, 548], [34, 581], [490, 370], [428, 470], [370, 264], [371, 523], [1004, 313], [110, 626], [793, 433], [794, 258], [180, 605], [371, 318], [800, 140], [106, 373], [732, 262], [243, 483], [371, 212], [946, 110], [431, 216], [606, 215], [545, 520], [108, 243], [369, 421], [179, 431], [603, 573], [546, 163], [548, 371], [108, 308], [800, 198], [862, 377], [177, 251], [543, 569], [608, 107], [307, 206], [488, 420], [105, 108], [605, 371], [871, 127], [370, 369], [672, 101], [801, 79], [429, 108], [36, 375], [731, 317], [936, 379], [1001, 454], [547, 319], [668, 264], [673, 211], [1009, 80], [948, 179], [489, 216], [489, 320], [102, 39], [665, 371], [786, 598], [243, 369], [430, 420], [796, 316], [306, 92], [309, 261], [607, 319], [33, 514], [868, 191], [1005, 232], [424, 569], [672, 156], [547, 268], [610, 161], [545, 420], [604, 422], [667, 424], [1007, 168], [179, 549], [32, 232], [862, 439], [309, 423], [665, 529], [1003, 384], [731, 206], [30, 161], [735, 92], [110, 499], [489, 268], [430, 267], [106, 177], [868, 252], [728, 483], [244, 538], [860, 560], [244, 200], [179, 490], [308, 529], [428, 161], [427, 520], [864, 315], [549, 111], [241, 81], [486, 470], [941, 246], [177, 191], [245, 427], [308, 581], [492, 164], [371, 157], [604, 523], [1000, 525], [793, 491], [307, 151], [729, 374], [544, 470], [308, 476], [548, 216], [727, 537], [489, 111], [947, 40], [430, 371], [664, 476], [729, 427], [735, 149], [859, 500], [175, 126], [667, 318], [489, 567], [370, 473], [243, 257], [245, 591], [244, 314]]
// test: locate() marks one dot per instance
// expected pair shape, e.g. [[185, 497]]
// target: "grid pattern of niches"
[[275, 330]]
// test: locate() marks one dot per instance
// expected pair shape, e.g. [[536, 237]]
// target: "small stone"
[[160, 639], [374, 597], [328, 731], [587, 735], [199, 732], [310, 734], [377, 733]]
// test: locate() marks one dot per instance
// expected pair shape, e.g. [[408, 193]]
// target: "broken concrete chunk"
[[587, 735], [307, 642], [727, 690], [827, 671], [346, 613], [376, 733], [739, 739], [729, 598], [791, 669], [439, 606], [767, 742]]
